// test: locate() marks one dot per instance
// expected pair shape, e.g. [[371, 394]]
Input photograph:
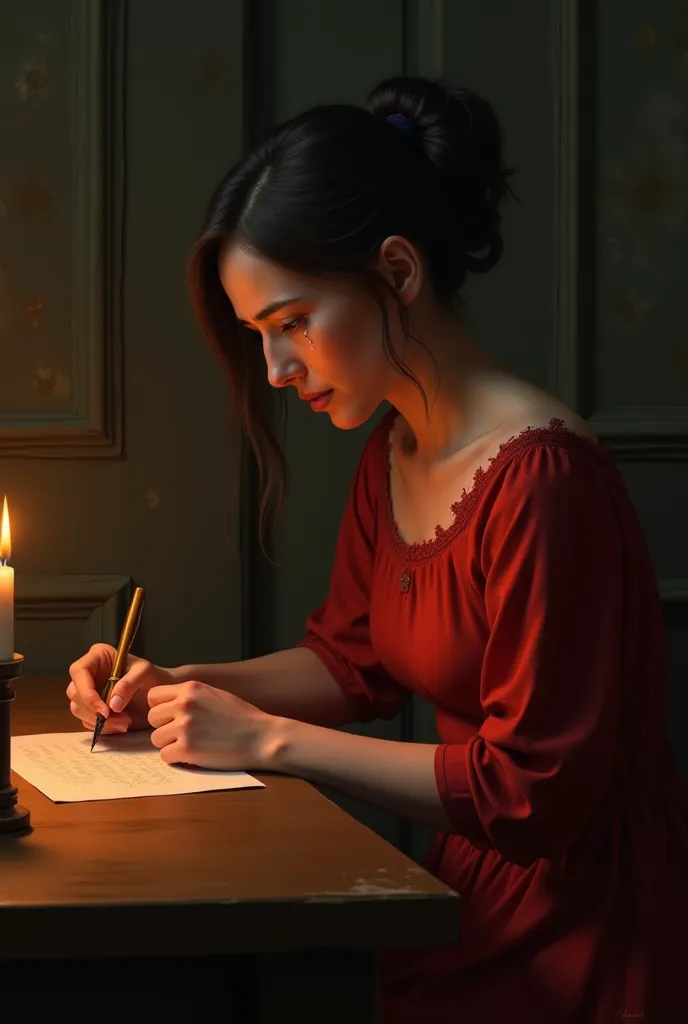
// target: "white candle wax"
[[6, 590], [6, 612]]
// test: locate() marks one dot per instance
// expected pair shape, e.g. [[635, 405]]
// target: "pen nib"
[[100, 722]]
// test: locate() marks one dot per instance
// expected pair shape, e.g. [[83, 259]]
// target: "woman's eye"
[[294, 324]]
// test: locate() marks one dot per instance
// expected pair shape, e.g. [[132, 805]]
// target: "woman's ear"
[[400, 264]]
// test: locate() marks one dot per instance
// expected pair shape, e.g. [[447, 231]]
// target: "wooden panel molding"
[[93, 426], [637, 432], [99, 601]]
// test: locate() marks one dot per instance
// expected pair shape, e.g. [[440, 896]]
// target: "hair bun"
[[461, 135]]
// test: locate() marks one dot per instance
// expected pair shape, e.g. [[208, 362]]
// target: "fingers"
[[161, 714], [113, 724], [175, 753], [166, 734], [185, 691], [139, 673], [89, 672]]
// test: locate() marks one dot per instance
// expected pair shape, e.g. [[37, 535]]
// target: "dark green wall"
[[154, 497]]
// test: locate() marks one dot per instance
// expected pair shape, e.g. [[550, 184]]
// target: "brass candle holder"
[[13, 818]]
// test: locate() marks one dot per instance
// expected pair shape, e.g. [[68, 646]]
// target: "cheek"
[[352, 350]]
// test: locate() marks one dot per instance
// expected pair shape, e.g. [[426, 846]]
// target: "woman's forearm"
[[398, 777], [293, 684], [306, 705]]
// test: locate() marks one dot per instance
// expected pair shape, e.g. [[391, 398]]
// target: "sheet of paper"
[[62, 766]]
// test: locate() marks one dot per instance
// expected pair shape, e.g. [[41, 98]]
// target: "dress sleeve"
[[549, 557], [338, 630]]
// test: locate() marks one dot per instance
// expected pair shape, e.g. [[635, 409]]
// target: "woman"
[[489, 559]]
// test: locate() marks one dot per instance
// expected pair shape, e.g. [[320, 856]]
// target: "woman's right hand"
[[89, 675]]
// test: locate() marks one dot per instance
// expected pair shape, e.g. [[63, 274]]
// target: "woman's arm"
[[398, 777], [290, 684], [305, 705]]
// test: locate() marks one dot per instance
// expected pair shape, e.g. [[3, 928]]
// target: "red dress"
[[534, 626]]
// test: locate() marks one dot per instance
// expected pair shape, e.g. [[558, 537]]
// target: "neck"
[[452, 370]]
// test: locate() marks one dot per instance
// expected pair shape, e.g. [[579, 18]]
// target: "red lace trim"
[[464, 508]]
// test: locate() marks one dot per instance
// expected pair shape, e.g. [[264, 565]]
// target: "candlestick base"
[[13, 818]]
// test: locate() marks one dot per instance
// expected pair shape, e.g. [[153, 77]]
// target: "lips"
[[312, 395], [321, 400]]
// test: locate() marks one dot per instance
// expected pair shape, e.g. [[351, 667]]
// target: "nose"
[[283, 367]]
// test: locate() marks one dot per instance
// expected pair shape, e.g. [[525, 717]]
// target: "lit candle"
[[6, 590]]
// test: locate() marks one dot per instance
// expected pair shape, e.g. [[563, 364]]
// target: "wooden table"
[[262, 905]]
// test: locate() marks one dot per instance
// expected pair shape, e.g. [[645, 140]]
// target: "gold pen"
[[131, 624]]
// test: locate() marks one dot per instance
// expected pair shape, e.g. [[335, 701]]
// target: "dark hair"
[[321, 194]]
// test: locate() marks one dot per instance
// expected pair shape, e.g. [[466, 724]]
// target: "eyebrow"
[[272, 308]]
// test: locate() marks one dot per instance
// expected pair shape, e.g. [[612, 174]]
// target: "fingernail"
[[117, 703]]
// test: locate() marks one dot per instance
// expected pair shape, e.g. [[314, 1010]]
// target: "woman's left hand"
[[200, 725]]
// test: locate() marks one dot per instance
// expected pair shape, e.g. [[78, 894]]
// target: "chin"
[[350, 417]]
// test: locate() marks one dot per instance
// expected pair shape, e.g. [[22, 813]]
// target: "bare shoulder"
[[529, 406]]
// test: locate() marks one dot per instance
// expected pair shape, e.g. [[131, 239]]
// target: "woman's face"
[[343, 323]]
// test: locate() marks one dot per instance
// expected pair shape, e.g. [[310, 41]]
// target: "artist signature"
[[626, 1014]]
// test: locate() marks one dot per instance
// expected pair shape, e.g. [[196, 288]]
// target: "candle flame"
[[5, 542]]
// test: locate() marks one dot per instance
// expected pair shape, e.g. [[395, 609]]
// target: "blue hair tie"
[[402, 124]]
